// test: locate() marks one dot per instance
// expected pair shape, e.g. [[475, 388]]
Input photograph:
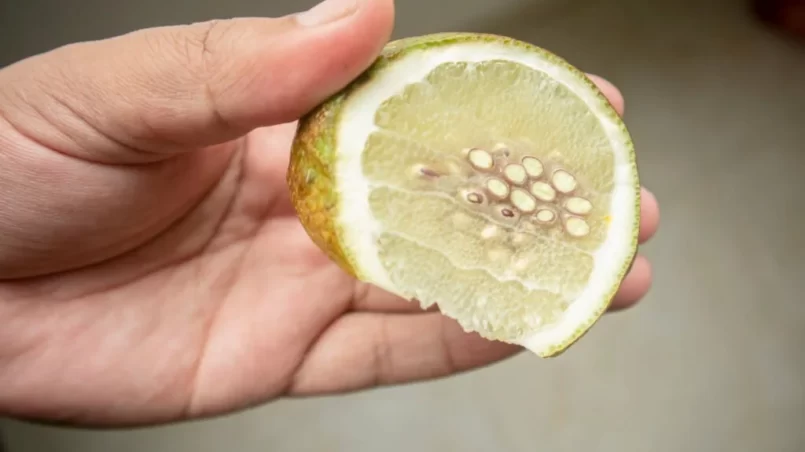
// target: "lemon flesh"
[[479, 173]]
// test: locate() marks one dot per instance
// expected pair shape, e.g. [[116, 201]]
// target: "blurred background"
[[711, 361]]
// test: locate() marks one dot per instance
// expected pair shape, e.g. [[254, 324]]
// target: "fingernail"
[[326, 12]]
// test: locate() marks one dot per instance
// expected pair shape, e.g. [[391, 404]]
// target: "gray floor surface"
[[710, 360]]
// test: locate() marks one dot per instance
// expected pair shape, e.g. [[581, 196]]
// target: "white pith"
[[357, 123]]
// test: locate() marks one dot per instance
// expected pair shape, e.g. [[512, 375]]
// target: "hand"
[[151, 266]]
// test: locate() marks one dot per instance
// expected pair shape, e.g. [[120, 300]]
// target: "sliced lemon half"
[[482, 174]]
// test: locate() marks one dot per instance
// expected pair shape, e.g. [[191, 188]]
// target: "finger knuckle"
[[204, 49], [199, 47], [207, 42]]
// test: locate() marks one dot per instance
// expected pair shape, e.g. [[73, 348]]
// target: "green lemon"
[[479, 173]]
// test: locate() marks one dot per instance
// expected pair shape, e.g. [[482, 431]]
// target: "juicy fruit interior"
[[492, 185]]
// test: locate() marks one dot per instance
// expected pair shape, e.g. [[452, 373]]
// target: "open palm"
[[188, 287]]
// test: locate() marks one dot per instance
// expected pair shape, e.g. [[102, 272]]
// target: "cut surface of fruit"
[[479, 173]]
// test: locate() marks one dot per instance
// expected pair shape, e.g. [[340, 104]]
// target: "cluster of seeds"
[[525, 188]]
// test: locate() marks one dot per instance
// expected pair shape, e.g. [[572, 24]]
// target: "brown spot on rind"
[[311, 182]]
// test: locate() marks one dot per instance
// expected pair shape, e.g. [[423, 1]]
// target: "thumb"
[[149, 94]]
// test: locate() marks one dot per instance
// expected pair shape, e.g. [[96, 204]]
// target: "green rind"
[[312, 172], [312, 184]]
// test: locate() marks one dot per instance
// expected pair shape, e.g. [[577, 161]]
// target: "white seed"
[[545, 216], [533, 166], [543, 191], [475, 198], [498, 188], [489, 231], [480, 159], [523, 201], [515, 173], [563, 181], [578, 206], [577, 227]]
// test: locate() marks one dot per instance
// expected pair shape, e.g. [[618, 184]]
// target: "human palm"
[[156, 273]]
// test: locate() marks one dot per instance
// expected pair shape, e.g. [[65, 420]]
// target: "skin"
[[151, 266]]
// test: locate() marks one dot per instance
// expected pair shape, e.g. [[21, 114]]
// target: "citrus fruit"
[[480, 173]]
